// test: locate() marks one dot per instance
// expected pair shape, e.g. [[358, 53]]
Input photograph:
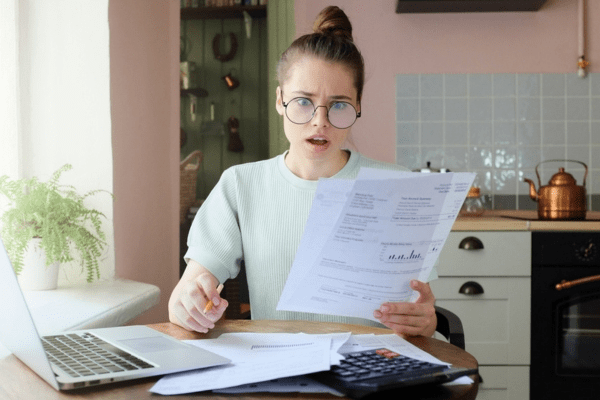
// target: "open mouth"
[[317, 142]]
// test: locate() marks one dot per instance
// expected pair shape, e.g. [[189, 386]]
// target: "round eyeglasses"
[[340, 114]]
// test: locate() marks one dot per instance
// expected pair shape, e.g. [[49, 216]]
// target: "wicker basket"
[[188, 180]]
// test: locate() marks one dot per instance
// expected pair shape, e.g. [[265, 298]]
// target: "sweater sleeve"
[[214, 239]]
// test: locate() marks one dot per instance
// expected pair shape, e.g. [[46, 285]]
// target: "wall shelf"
[[223, 12], [198, 92], [439, 6]]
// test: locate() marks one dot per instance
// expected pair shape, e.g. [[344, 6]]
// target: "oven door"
[[565, 337], [578, 344]]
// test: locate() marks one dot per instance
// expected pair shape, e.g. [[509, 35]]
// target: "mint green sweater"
[[256, 213]]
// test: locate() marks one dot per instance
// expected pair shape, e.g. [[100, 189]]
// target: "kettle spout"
[[532, 192]]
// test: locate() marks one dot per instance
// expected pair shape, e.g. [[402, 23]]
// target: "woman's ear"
[[279, 102]]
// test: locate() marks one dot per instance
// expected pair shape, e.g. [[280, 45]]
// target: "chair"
[[188, 170], [238, 307], [450, 326]]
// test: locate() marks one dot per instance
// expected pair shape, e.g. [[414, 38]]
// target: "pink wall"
[[145, 106], [525, 42], [144, 58]]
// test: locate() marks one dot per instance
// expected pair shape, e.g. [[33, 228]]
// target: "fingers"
[[410, 318], [189, 300], [425, 293], [212, 292], [408, 321]]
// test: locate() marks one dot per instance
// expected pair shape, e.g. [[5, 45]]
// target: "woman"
[[257, 211]]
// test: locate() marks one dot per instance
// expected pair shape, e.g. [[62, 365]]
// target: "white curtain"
[[55, 100], [9, 90]]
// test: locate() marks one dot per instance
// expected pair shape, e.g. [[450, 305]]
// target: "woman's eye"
[[339, 106], [304, 102]]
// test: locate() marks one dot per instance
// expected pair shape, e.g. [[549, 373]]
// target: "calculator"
[[363, 373]]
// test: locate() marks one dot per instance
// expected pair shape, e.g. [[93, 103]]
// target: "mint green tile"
[[407, 85], [455, 85], [504, 85], [553, 85], [480, 85], [528, 85]]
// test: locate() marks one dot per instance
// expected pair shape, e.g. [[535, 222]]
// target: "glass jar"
[[473, 205]]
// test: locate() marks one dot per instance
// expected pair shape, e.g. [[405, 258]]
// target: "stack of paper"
[[275, 362]]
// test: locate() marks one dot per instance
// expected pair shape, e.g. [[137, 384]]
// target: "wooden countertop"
[[514, 220]]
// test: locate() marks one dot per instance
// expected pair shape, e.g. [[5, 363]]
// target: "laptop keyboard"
[[87, 355], [381, 363]]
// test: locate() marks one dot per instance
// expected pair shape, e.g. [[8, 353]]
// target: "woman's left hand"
[[412, 319]]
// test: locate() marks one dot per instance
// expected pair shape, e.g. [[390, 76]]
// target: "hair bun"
[[333, 21]]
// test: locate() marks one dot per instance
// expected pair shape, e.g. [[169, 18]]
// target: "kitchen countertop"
[[515, 220]]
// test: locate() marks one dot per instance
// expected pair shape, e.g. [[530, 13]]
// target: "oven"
[[565, 315]]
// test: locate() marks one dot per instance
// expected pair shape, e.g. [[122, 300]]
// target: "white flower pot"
[[36, 275]]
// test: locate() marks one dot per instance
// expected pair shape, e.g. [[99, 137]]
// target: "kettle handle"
[[546, 161]]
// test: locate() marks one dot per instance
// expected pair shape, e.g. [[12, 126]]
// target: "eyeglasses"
[[340, 114]]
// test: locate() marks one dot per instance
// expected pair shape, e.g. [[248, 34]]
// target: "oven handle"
[[569, 284]]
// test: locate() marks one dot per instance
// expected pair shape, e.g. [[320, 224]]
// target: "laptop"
[[76, 359]]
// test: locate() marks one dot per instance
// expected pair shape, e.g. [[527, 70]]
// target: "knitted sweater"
[[257, 213]]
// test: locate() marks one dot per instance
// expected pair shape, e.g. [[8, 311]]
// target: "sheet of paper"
[[391, 342], [256, 357], [296, 384], [329, 200], [388, 229], [337, 341]]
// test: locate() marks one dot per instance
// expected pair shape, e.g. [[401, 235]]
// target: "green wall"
[[252, 103], [282, 31]]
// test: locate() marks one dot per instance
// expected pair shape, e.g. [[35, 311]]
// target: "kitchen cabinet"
[[504, 383], [490, 290]]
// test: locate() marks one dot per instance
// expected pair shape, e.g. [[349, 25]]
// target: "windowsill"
[[96, 305]]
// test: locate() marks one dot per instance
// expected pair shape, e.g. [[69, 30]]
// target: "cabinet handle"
[[471, 243], [471, 288]]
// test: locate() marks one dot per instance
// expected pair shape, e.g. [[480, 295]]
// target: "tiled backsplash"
[[501, 126]]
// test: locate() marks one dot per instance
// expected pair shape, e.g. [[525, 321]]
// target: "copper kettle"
[[561, 199]]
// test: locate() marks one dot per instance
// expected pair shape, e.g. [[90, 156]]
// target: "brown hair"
[[332, 41]]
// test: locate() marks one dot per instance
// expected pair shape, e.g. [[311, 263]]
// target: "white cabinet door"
[[503, 254], [504, 383], [497, 322]]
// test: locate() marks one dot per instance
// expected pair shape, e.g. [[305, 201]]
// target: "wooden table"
[[19, 382]]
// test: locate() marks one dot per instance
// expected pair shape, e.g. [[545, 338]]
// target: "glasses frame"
[[285, 105]]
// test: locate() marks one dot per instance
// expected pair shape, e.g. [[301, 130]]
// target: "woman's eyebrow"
[[309, 94]]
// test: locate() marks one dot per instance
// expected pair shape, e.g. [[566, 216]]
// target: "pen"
[[210, 304]]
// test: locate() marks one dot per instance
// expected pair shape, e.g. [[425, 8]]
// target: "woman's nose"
[[320, 117]]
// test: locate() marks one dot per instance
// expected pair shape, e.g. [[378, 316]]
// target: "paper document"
[[304, 384], [256, 357], [366, 239], [295, 384], [276, 362]]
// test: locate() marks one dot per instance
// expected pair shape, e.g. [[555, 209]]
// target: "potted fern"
[[50, 218]]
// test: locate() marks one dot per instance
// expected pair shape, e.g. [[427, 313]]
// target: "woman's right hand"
[[189, 298]]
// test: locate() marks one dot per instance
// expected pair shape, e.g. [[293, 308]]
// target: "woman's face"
[[323, 83]]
